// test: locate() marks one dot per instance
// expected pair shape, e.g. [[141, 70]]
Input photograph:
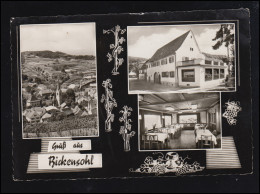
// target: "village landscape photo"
[[181, 58], [58, 79]]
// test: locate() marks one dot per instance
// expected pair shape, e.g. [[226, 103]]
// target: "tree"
[[22, 58], [225, 36], [24, 102], [38, 80], [28, 89], [63, 70], [70, 94], [24, 77], [135, 67]]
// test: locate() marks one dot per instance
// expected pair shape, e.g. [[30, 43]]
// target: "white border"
[[139, 140], [19, 65], [236, 53]]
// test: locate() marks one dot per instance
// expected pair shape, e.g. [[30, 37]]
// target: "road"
[[141, 87]]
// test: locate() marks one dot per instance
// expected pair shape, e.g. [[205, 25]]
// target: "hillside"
[[136, 59], [56, 55]]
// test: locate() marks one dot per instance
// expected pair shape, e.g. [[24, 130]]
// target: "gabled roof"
[[84, 113], [48, 108], [46, 115], [169, 48], [47, 91], [33, 98], [32, 114], [68, 111], [40, 111]]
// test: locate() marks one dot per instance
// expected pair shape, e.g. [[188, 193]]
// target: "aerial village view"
[[59, 89]]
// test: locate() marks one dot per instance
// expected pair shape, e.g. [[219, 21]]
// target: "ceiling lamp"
[[170, 108], [194, 106]]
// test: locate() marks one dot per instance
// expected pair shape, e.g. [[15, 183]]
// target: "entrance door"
[[156, 78]]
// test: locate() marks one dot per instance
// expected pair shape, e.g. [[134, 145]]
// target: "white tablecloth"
[[161, 136], [172, 130], [199, 126], [206, 133]]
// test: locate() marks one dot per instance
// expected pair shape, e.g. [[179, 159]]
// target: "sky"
[[143, 41], [70, 38]]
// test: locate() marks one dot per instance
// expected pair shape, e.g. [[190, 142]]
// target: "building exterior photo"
[[180, 63]]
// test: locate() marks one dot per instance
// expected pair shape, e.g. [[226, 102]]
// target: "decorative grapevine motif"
[[109, 103], [125, 130], [170, 163], [231, 111], [116, 48]]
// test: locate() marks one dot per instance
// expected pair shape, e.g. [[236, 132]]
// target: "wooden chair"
[[206, 141], [154, 141], [146, 140]]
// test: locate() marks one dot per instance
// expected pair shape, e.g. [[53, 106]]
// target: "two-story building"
[[180, 63]]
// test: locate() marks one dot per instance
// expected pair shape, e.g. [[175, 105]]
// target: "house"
[[181, 63], [80, 99], [49, 108], [46, 118], [63, 105], [68, 112], [46, 93], [33, 101], [143, 70], [84, 113], [32, 117], [40, 111], [132, 74], [76, 110], [42, 87]]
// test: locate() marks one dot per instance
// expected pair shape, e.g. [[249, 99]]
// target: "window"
[[212, 117], [215, 63], [165, 74], [171, 73], [188, 75], [208, 74], [221, 63], [208, 62], [222, 73], [151, 120], [191, 49], [192, 118], [216, 73], [164, 61], [171, 59], [167, 120]]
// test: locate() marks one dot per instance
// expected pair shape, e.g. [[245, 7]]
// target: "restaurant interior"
[[179, 121]]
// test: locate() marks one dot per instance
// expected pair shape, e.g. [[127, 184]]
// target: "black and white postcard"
[[162, 94], [58, 79], [181, 58]]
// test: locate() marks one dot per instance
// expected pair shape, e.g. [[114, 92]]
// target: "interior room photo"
[[179, 121]]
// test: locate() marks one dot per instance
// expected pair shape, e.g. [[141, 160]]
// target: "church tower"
[[58, 94]]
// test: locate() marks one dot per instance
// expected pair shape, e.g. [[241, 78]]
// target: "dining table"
[[206, 132], [161, 136]]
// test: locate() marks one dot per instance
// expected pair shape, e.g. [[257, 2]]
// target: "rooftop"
[[169, 48]]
